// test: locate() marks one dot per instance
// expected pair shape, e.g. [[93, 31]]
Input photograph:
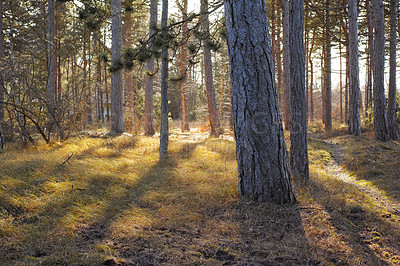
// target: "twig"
[[67, 160]]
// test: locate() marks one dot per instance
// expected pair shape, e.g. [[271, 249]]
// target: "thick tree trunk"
[[117, 117], [327, 93], [164, 131], [1, 64], [1, 77], [148, 105], [286, 62], [183, 70], [263, 165], [380, 119], [128, 75], [393, 133], [216, 129], [354, 82], [298, 100]]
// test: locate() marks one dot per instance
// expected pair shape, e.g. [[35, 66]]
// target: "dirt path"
[[337, 171]]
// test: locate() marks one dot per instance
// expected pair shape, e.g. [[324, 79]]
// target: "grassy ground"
[[115, 203]]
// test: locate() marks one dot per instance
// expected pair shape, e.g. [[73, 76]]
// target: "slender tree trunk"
[[183, 72], [148, 105], [278, 56], [354, 82], [263, 165], [370, 54], [393, 133], [164, 131], [286, 62], [216, 129], [117, 117], [52, 62], [340, 82], [311, 77], [128, 75], [327, 99], [380, 119], [298, 100]]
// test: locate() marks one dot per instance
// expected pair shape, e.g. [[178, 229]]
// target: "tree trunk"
[[216, 129], [148, 102], [128, 75], [183, 71], [117, 117], [286, 62], [263, 164], [298, 100], [327, 97], [164, 131], [311, 77], [1, 77], [370, 54], [52, 62], [354, 82], [393, 133], [380, 119]]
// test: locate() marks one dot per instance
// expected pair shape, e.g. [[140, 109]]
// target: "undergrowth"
[[111, 201]]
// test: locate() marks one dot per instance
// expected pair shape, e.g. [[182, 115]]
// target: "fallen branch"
[[67, 160]]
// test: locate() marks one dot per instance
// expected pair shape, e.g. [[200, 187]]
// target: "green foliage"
[[116, 65]]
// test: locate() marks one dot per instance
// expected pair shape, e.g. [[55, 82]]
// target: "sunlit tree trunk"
[[286, 62], [263, 164], [393, 134], [117, 117], [298, 101], [354, 82], [128, 75], [311, 95], [216, 129], [164, 131], [183, 64], [380, 119], [148, 105]]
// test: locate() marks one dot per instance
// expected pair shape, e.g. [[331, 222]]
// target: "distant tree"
[[216, 129], [263, 164], [148, 111], [354, 83], [117, 117], [298, 101], [164, 131], [380, 119], [393, 134]]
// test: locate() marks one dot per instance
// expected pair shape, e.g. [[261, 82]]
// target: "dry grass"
[[115, 203]]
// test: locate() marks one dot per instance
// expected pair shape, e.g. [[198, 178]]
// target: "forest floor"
[[95, 200]]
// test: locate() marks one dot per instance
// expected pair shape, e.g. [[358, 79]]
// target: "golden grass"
[[115, 202]]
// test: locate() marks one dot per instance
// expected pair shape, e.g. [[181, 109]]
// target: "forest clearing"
[[115, 203]]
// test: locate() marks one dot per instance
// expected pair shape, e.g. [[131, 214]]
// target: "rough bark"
[[380, 119], [327, 92], [1, 77], [391, 114], [148, 105], [183, 69], [370, 55], [298, 101], [128, 75], [263, 164], [286, 62], [354, 82], [117, 117], [164, 131], [216, 129]]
